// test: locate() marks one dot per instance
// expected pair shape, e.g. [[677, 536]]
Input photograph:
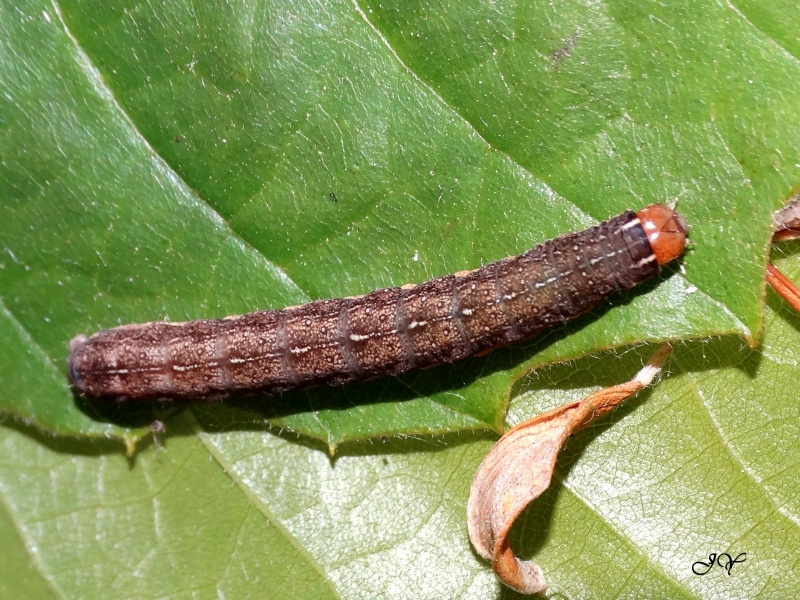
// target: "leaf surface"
[[702, 464], [182, 162], [192, 160]]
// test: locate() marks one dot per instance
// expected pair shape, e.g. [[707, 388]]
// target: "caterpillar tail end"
[[73, 367]]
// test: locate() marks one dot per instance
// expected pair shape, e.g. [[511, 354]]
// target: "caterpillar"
[[387, 332]]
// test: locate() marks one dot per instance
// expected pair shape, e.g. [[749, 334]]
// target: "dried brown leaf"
[[519, 468], [781, 284], [787, 227], [787, 221]]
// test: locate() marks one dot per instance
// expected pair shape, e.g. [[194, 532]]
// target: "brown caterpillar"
[[386, 332]]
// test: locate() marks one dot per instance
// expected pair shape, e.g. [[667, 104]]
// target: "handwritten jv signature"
[[724, 560]]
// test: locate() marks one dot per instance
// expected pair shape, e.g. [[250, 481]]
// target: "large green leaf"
[[705, 463], [179, 161]]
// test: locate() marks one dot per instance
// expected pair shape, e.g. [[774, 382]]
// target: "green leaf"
[[704, 463], [178, 160], [173, 523]]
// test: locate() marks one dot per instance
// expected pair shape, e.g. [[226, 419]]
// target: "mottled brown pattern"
[[386, 332]]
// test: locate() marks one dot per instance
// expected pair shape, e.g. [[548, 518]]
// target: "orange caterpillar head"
[[666, 231]]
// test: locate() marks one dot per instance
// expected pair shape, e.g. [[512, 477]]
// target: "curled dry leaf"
[[787, 227], [519, 468], [781, 284], [787, 221]]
